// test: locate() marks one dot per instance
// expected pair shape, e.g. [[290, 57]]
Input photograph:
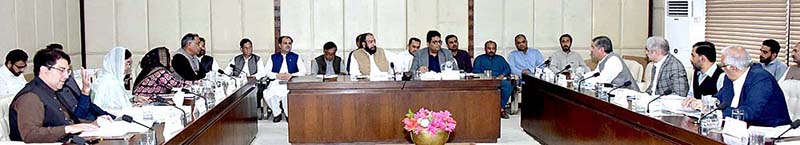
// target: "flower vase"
[[426, 138]]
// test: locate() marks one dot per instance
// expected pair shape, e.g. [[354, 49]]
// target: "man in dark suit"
[[752, 90]]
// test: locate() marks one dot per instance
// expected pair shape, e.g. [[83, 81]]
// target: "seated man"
[[283, 66], [405, 57], [463, 58], [208, 64], [11, 75], [560, 59], [432, 58], [79, 97], [708, 76], [769, 58], [185, 61], [371, 59], [668, 72], [500, 69], [524, 60], [358, 48], [246, 64], [793, 73], [38, 114], [752, 90], [611, 67], [328, 63]]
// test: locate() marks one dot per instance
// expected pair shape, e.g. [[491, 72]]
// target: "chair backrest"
[[791, 92], [5, 102], [689, 75], [635, 68]]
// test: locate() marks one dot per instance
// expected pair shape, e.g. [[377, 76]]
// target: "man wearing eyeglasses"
[[39, 114], [11, 76]]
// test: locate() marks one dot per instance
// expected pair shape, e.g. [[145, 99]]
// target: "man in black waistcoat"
[[38, 114], [708, 76]]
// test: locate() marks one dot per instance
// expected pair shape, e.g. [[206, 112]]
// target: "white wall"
[[141, 25], [33, 24], [624, 21]]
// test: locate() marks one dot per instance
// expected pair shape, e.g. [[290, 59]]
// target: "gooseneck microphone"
[[561, 71], [626, 84], [391, 64], [129, 119], [667, 92], [700, 120], [546, 63], [580, 82], [794, 125]]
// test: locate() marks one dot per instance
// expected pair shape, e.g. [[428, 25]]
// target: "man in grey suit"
[[425, 58], [668, 72]]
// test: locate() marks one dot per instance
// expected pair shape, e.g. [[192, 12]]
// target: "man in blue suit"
[[751, 89]]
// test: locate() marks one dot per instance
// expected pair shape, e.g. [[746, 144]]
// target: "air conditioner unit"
[[678, 28]]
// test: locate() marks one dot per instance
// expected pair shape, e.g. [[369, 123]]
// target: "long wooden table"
[[231, 122], [341, 110], [556, 115]]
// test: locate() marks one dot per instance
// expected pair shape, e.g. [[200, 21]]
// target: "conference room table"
[[345, 110], [231, 121], [553, 114]]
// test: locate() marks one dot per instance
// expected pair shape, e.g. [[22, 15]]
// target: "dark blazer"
[[761, 99]]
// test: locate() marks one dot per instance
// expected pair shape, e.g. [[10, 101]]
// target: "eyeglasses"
[[66, 71], [437, 42], [21, 67]]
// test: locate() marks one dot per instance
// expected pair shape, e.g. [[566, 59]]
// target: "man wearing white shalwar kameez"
[[282, 66]]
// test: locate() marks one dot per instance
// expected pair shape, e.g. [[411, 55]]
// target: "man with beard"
[[208, 64], [500, 69], [560, 59], [769, 58], [11, 76], [708, 76], [462, 57], [371, 59], [794, 72]]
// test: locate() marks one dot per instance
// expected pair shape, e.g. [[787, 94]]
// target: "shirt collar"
[[741, 78], [773, 62], [659, 62], [710, 71]]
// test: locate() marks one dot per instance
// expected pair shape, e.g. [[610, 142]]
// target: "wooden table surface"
[[341, 110]]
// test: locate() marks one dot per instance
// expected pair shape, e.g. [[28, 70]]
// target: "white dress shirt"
[[11, 84], [738, 85], [373, 68], [246, 69], [301, 67], [610, 71], [404, 61], [657, 66]]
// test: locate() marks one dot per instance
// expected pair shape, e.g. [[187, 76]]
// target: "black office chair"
[[262, 85]]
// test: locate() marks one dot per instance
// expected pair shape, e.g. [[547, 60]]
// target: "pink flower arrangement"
[[427, 121]]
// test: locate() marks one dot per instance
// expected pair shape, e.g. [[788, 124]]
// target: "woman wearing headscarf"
[[109, 89], [156, 77]]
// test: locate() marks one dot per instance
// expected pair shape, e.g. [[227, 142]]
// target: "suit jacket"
[[672, 76], [421, 58], [761, 99]]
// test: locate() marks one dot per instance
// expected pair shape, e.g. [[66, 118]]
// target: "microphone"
[[391, 64], [667, 92], [129, 119], [699, 120], [580, 82], [205, 100], [235, 69], [562, 70], [794, 125], [223, 72], [626, 84], [546, 63], [183, 115]]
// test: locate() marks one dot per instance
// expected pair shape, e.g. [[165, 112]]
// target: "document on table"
[[117, 128], [773, 132]]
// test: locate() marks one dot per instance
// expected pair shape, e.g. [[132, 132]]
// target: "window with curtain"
[[749, 22]]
